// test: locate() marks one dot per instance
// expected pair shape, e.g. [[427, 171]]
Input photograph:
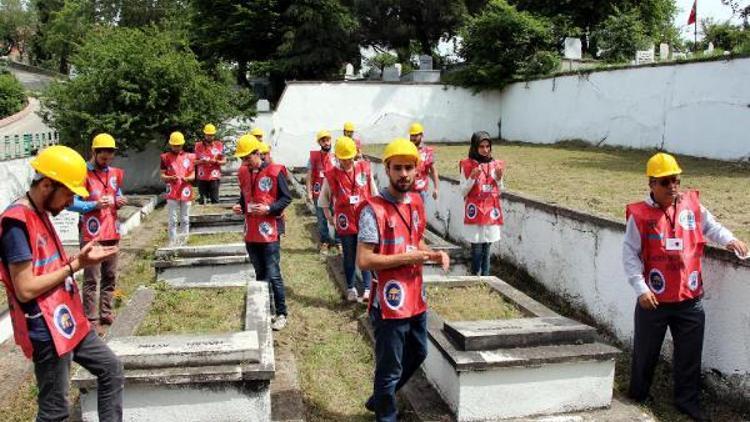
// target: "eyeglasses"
[[666, 181]]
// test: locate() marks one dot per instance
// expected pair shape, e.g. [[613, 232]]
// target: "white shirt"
[[631, 246], [475, 233]]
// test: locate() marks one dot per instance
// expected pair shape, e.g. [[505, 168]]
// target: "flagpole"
[[695, 30]]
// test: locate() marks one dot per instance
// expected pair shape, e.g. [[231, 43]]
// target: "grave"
[[202, 268], [425, 73], [663, 52], [210, 377], [216, 223], [391, 74], [539, 364]]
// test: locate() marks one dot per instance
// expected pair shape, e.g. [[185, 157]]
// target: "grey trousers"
[[53, 377], [100, 280]]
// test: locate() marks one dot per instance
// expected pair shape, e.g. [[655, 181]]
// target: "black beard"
[[325, 149], [400, 189]]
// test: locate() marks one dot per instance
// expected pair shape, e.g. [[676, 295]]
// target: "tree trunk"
[[242, 74]]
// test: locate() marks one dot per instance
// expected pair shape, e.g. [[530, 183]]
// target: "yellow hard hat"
[[246, 145], [209, 129], [661, 165], [257, 132], [400, 146], [103, 140], [64, 165], [349, 127], [346, 149], [415, 129], [176, 138], [264, 148], [322, 134]]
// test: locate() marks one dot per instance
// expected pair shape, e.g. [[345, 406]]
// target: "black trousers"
[[686, 321], [208, 191]]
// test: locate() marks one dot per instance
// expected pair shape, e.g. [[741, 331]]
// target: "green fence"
[[26, 145]]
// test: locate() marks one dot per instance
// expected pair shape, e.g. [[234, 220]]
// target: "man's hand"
[[121, 201], [441, 258], [417, 257], [237, 209], [648, 301], [475, 173], [93, 253], [738, 247], [259, 209], [435, 194], [104, 202]]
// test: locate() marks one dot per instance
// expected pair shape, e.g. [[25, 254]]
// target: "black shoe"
[[694, 412], [370, 404]]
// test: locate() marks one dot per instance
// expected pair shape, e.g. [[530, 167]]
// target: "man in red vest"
[[320, 162], [99, 222], [346, 186], [178, 172], [426, 166], [209, 154], [264, 195], [664, 240], [391, 226], [46, 311]]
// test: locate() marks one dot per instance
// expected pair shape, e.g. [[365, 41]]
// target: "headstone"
[[349, 70], [710, 48], [399, 67], [391, 74], [573, 48], [644, 56], [66, 225], [263, 106], [663, 51], [425, 62]]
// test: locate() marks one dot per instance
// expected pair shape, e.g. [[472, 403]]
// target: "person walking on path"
[[264, 195], [345, 187], [390, 243], [209, 154], [662, 253], [320, 162], [49, 323], [426, 167], [99, 222], [481, 183], [178, 172]]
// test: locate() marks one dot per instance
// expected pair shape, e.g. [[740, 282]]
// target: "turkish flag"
[[693, 13]]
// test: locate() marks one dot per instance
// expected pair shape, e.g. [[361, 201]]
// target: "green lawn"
[[603, 180], [215, 239], [470, 303]]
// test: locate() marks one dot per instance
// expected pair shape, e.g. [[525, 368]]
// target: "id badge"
[[354, 199], [486, 188], [321, 174], [411, 248], [674, 244]]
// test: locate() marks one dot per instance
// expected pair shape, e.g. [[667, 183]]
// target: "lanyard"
[[671, 220], [354, 188], [45, 221], [104, 184], [407, 224]]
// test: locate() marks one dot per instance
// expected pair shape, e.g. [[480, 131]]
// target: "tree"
[[16, 26], [724, 35], [620, 36], [139, 85], [503, 43], [381, 60], [12, 97], [66, 30]]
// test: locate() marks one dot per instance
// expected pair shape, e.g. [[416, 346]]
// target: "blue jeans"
[[400, 349], [480, 258], [349, 248], [323, 233], [265, 258]]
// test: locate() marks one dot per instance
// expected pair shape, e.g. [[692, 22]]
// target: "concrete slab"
[[218, 219], [524, 332], [139, 352], [207, 276], [231, 249], [222, 228], [137, 308]]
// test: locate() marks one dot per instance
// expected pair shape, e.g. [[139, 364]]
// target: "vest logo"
[[362, 179], [113, 182], [41, 240], [201, 173], [423, 156], [215, 173], [265, 229], [214, 151], [342, 221], [687, 220], [316, 187], [93, 225], [393, 295], [186, 192], [471, 211], [186, 163], [656, 281], [495, 213], [693, 280], [421, 183], [265, 183], [64, 322]]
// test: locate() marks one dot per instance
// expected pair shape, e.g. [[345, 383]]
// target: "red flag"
[[693, 13]]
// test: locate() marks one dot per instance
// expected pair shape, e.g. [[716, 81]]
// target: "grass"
[[470, 303], [3, 299], [602, 180], [215, 239], [196, 209], [194, 311]]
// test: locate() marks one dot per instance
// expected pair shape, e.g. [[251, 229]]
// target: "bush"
[[620, 36], [139, 85], [12, 97]]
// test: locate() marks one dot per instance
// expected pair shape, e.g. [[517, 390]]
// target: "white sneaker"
[[279, 323], [366, 295], [351, 295]]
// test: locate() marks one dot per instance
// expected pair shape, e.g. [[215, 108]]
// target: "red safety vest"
[[102, 223], [482, 205], [426, 161], [212, 151], [320, 162], [61, 306], [673, 275], [400, 290], [260, 188], [348, 191], [182, 165]]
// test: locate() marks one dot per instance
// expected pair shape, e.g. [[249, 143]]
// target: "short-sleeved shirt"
[[14, 249], [368, 226]]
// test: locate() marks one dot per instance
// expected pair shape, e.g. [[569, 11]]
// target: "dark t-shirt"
[[14, 248]]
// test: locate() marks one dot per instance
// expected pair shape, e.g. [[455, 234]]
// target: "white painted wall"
[[697, 109], [16, 176], [578, 257]]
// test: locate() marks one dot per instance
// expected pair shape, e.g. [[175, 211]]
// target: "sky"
[[706, 8]]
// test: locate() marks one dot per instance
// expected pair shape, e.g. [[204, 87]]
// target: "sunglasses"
[[666, 181]]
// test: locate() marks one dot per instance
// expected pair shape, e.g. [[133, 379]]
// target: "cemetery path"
[[30, 123]]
